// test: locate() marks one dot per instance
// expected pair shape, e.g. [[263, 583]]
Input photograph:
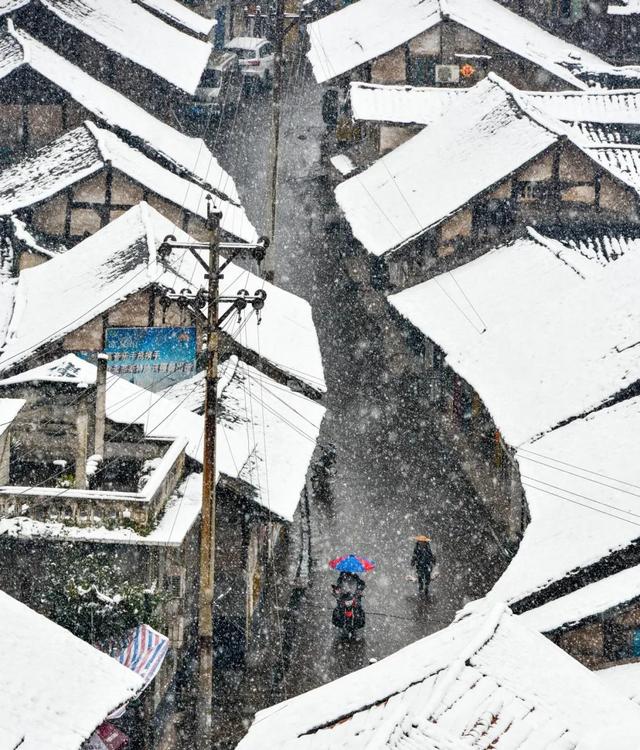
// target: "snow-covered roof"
[[618, 590], [268, 432], [11, 55], [55, 689], [9, 408], [406, 105], [368, 29], [86, 150], [483, 138], [583, 498], [166, 51], [61, 295], [589, 106], [624, 8], [479, 140], [8, 6], [485, 681], [530, 326], [244, 42], [421, 105], [175, 12], [190, 156], [624, 679]]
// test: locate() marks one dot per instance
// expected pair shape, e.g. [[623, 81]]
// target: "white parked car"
[[255, 56], [220, 86]]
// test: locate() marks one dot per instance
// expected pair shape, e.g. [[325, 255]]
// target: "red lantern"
[[466, 71]]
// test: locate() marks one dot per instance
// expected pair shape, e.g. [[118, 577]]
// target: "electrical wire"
[[582, 505], [583, 497], [272, 557], [574, 466]]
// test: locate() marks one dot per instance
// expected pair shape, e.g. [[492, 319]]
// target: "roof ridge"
[[553, 125], [145, 217], [13, 33], [98, 135]]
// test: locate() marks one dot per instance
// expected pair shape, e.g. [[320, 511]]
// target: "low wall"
[[97, 507]]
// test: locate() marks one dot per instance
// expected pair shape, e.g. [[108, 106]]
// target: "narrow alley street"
[[393, 478]]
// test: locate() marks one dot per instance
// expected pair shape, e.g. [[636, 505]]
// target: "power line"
[[584, 497], [582, 505], [574, 466], [586, 479]]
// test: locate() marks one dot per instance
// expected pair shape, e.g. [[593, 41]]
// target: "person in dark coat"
[[351, 582], [423, 560]]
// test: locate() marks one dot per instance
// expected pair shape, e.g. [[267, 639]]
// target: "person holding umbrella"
[[348, 613], [423, 560]]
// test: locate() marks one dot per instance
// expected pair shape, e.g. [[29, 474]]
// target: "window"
[[420, 71], [211, 78], [244, 54], [173, 585], [533, 191], [568, 10], [266, 50]]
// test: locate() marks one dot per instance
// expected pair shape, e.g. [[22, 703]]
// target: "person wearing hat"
[[423, 561]]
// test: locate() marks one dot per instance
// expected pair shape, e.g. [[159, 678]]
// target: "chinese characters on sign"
[[153, 358]]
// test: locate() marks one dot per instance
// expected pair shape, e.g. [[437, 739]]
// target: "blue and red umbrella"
[[352, 564]]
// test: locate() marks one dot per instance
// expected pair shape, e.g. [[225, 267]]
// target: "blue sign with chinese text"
[[153, 358]]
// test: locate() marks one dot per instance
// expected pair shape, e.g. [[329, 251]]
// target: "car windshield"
[[245, 54], [211, 78]]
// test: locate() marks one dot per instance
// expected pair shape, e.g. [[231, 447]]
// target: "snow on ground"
[[189, 154], [582, 488], [119, 260], [169, 53], [368, 29], [487, 675], [484, 136], [595, 599], [55, 689], [554, 346]]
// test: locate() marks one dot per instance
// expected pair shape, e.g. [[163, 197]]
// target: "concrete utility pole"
[[269, 266], [212, 298], [208, 518], [101, 404]]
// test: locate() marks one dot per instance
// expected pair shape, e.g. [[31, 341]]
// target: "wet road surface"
[[393, 477]]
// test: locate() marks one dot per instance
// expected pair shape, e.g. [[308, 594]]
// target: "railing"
[[97, 507]]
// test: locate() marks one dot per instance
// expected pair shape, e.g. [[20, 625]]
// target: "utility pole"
[[204, 704], [272, 188], [211, 299]]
